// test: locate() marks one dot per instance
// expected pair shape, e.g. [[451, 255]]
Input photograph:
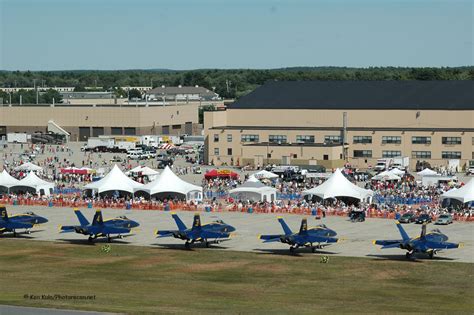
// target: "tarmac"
[[356, 238]]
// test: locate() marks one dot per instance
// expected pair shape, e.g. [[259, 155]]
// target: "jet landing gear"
[[409, 255]]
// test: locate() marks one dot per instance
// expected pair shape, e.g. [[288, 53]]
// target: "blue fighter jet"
[[100, 227], [320, 235], [18, 221], [213, 232], [428, 243]]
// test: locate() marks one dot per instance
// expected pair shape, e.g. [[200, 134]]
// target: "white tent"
[[427, 171], [265, 174], [253, 190], [144, 170], [386, 175], [34, 184], [28, 167], [338, 185], [168, 185], [115, 180], [463, 194], [397, 171], [7, 181]]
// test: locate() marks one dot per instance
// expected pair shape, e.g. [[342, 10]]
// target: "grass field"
[[145, 279]]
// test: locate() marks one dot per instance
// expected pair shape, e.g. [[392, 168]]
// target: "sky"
[[258, 34]]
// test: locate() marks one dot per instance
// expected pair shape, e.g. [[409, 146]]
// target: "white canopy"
[[386, 175], [6, 180], [397, 171], [264, 174], [114, 180], [463, 194], [145, 170], [168, 184], [28, 167], [253, 190], [427, 171], [34, 183], [338, 185]]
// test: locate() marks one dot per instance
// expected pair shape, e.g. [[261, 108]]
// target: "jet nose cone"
[[134, 224], [331, 233], [230, 229], [41, 220]]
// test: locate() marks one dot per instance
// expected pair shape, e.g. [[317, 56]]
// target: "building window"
[[129, 131], [304, 139], [332, 139], [175, 127], [362, 139], [216, 137], [421, 140], [249, 138], [325, 157], [391, 139], [450, 155], [116, 130], [362, 153], [216, 151], [391, 154], [295, 156], [277, 139], [229, 151], [421, 154], [451, 140], [229, 137]]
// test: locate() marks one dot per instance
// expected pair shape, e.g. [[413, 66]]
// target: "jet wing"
[[319, 239], [166, 233], [67, 229], [19, 225], [443, 245], [388, 243], [213, 235], [114, 230], [270, 238]]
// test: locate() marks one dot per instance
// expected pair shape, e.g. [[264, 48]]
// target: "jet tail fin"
[[196, 221], [423, 231], [98, 219], [82, 219], [404, 234], [179, 223], [285, 227], [3, 213], [304, 226]]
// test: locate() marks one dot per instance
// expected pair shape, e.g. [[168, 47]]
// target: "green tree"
[[134, 93]]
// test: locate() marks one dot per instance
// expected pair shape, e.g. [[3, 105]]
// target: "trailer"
[[402, 162], [94, 142], [383, 164], [18, 137]]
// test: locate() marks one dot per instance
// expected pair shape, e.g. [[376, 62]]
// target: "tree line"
[[231, 83]]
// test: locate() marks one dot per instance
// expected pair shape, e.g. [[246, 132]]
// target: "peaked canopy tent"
[[143, 171], [7, 181], [169, 186], [386, 176], [33, 184], [28, 167], [253, 190], [397, 172], [426, 172], [221, 174], [115, 182], [337, 186], [263, 174], [465, 194]]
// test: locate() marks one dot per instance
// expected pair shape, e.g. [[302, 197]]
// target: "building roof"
[[441, 95], [173, 90]]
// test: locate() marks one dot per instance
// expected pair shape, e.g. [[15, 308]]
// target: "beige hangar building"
[[332, 122]]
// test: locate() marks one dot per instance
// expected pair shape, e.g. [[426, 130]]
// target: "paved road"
[[357, 236]]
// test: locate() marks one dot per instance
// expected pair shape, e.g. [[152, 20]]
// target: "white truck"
[[18, 137], [401, 162], [383, 164], [470, 167], [94, 142]]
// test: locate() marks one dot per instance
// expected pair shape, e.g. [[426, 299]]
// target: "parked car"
[[408, 217], [444, 219], [423, 218]]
